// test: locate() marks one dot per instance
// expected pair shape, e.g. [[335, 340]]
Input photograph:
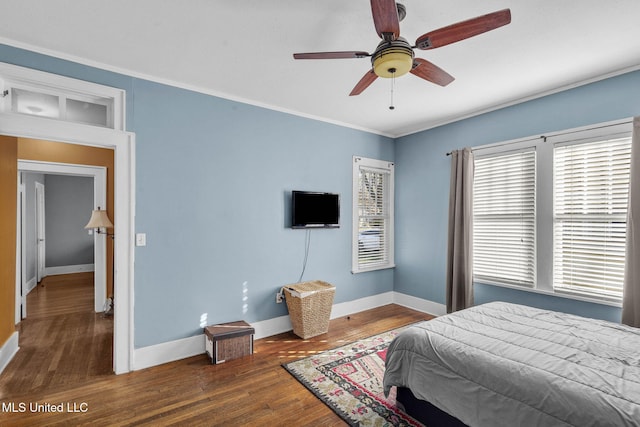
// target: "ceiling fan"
[[395, 57]]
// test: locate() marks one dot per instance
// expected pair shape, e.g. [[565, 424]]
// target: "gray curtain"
[[460, 247], [631, 299]]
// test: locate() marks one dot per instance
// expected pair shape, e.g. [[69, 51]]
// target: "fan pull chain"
[[393, 83]]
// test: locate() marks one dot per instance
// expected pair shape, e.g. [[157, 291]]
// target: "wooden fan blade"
[[463, 30], [331, 55], [431, 72], [385, 18], [364, 83]]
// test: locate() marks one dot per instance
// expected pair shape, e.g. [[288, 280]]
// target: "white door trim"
[[124, 207], [21, 236], [99, 175], [40, 231]]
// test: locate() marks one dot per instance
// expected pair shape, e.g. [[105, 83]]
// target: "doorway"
[[123, 145], [99, 176]]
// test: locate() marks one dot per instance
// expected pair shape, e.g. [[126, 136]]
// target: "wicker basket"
[[309, 305]]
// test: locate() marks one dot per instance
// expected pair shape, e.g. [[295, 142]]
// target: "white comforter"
[[502, 364]]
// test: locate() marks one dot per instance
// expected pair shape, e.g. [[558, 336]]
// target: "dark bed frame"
[[424, 411]]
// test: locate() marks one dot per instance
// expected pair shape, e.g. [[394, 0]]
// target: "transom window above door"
[[40, 94]]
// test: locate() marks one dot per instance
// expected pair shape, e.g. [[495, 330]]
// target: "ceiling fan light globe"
[[392, 64]]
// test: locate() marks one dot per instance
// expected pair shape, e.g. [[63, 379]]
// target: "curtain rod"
[[548, 136], [504, 143]]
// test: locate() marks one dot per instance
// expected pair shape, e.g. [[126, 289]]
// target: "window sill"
[[365, 270], [567, 295]]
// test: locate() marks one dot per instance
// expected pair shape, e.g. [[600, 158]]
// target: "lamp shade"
[[99, 219]]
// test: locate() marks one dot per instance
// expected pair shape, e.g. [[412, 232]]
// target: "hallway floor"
[[62, 341]]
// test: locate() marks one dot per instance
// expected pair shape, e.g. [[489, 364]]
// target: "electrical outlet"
[[279, 298]]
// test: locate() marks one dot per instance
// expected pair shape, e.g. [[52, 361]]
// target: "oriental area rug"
[[349, 380]]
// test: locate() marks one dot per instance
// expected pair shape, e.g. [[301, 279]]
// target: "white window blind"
[[373, 215], [504, 219], [591, 188]]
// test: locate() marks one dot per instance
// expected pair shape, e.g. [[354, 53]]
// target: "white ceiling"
[[242, 50]]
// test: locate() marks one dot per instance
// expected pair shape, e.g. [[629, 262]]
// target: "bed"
[[501, 364]]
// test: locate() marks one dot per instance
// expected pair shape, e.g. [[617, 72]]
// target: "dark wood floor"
[[254, 390], [62, 340]]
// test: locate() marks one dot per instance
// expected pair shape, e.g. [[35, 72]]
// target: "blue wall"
[[212, 183], [422, 183], [213, 179]]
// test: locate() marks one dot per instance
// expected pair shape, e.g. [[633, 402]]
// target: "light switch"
[[141, 239]]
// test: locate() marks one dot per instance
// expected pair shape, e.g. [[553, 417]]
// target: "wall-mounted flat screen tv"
[[315, 210]]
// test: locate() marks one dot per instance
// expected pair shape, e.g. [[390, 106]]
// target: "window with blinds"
[[504, 219], [373, 215], [591, 189]]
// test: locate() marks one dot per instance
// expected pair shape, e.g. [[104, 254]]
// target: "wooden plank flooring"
[[254, 390], [61, 294], [62, 340]]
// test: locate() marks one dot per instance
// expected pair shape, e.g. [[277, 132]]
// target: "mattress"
[[501, 364]]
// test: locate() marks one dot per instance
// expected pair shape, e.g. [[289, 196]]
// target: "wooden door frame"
[[123, 144]]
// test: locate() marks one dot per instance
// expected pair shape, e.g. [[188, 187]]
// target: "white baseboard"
[[68, 269], [269, 327], [361, 304], [419, 304], [166, 352], [170, 351], [278, 325], [31, 284], [8, 350]]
